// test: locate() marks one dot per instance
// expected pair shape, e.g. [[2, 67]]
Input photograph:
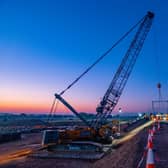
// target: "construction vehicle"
[[98, 130]]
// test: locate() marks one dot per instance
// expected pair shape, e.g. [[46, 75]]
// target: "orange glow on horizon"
[[32, 104], [22, 107], [30, 107]]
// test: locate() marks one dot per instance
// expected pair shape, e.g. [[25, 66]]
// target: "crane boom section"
[[63, 101], [121, 76]]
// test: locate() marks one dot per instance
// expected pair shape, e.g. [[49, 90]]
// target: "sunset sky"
[[46, 44]]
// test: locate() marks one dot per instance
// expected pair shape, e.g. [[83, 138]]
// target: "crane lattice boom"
[[121, 76]]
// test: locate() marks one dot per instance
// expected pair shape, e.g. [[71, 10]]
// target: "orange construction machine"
[[98, 130]]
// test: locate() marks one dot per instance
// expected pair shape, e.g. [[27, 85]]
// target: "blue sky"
[[46, 44]]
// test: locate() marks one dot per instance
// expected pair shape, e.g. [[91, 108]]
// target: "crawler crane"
[[97, 130]]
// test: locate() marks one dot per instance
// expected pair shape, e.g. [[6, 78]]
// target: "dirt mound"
[[127, 155]]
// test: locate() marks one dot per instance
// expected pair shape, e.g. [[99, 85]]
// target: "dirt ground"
[[26, 141], [125, 156]]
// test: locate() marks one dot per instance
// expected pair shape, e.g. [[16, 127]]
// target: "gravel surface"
[[161, 147], [125, 156], [27, 139]]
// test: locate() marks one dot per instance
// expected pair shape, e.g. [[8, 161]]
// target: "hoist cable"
[[102, 56], [56, 107], [51, 110]]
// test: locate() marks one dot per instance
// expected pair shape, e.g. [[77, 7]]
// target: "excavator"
[[97, 130]]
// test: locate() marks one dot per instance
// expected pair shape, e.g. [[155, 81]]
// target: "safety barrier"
[[148, 152]]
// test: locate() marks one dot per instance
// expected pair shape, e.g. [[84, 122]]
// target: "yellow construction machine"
[[98, 130]]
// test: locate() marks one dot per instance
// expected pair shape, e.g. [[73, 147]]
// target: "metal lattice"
[[118, 83], [116, 87], [160, 106]]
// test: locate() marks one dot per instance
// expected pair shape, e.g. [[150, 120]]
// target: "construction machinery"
[[159, 107], [97, 130]]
